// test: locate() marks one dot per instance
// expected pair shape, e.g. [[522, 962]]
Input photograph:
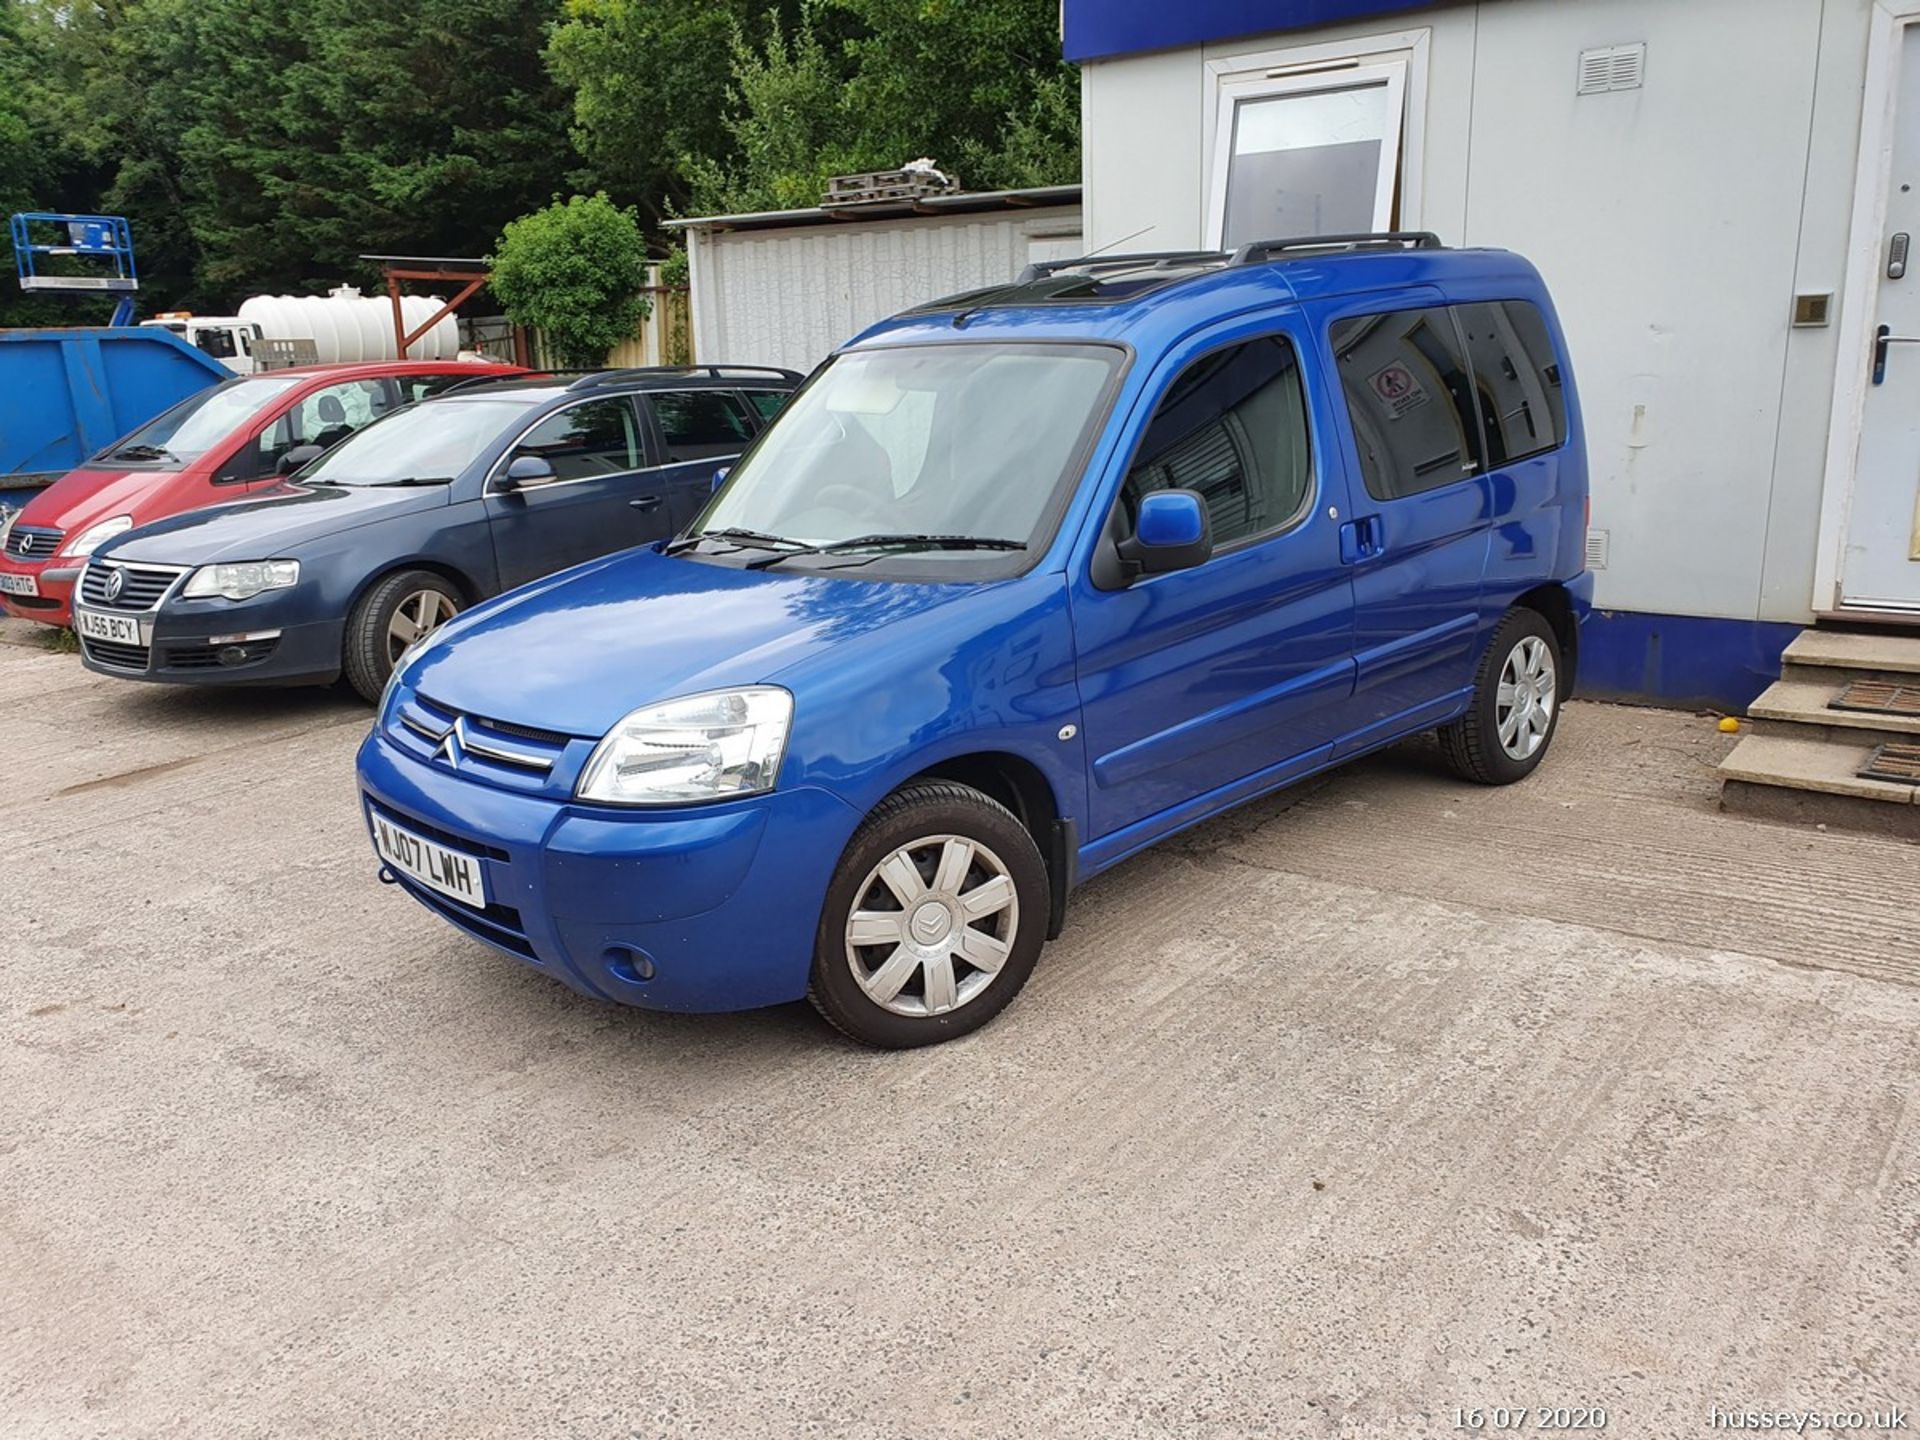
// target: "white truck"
[[340, 327]]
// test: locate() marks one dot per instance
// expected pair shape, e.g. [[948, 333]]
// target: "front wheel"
[[390, 619], [933, 920], [1515, 707]]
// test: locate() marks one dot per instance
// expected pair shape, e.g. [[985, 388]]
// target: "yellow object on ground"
[[1729, 725]]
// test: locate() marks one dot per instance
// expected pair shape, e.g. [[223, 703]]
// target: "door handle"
[[1882, 338], [1363, 538], [645, 502]]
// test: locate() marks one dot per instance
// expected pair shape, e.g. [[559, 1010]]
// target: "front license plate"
[[434, 866], [19, 585], [114, 629]]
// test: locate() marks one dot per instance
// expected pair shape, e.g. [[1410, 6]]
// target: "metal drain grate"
[[1881, 697], [1897, 761]]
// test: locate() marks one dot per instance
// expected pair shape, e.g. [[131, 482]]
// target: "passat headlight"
[[241, 581], [94, 536], [716, 746]]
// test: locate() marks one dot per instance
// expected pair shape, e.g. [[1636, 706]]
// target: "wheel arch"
[[1555, 605], [469, 592], [1022, 786]]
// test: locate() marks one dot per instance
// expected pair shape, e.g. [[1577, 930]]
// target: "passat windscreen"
[[432, 442]]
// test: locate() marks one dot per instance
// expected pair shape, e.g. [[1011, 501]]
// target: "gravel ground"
[[1381, 1098]]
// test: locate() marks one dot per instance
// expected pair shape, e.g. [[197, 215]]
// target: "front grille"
[[33, 542], [497, 744], [141, 586], [209, 657], [497, 924], [120, 657], [32, 602], [525, 732], [446, 837]]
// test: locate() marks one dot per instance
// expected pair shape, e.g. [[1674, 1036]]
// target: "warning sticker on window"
[[1398, 390]]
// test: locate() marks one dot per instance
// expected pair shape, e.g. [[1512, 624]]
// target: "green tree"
[[327, 129], [952, 78], [649, 81], [575, 270], [852, 85], [788, 123], [267, 147]]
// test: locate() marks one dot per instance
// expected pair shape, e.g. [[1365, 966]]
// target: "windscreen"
[[200, 422], [424, 444], [970, 439]]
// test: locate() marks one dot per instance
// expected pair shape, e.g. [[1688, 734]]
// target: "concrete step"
[[1839, 655], [1810, 780], [1799, 707]]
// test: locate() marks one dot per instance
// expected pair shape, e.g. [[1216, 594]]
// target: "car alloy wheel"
[[415, 617], [1523, 705], [932, 925]]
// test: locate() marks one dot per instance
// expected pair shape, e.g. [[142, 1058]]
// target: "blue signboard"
[[1100, 29]]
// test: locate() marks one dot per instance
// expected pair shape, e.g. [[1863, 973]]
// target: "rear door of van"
[[1416, 540]]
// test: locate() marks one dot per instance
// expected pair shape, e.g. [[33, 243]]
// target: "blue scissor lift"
[[103, 240], [67, 391]]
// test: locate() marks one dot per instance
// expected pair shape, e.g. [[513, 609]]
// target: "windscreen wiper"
[[907, 541], [733, 532], [143, 452]]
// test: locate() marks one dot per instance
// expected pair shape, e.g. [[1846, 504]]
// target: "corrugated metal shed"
[[786, 287]]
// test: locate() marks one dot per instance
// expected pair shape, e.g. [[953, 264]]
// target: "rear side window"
[[422, 387], [701, 424], [767, 402], [1233, 426], [600, 437], [1410, 399], [1517, 376]]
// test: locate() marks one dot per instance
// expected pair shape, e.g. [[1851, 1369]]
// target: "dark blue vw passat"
[[1018, 584], [411, 520]]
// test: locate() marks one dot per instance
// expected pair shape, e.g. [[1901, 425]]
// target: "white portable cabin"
[[786, 287]]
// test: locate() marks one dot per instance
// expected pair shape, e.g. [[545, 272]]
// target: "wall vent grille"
[[1612, 67], [1597, 544]]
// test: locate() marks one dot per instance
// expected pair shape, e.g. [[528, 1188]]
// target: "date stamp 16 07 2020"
[[1530, 1417]]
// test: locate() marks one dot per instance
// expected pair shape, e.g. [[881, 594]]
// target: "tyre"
[[1515, 707], [933, 919], [396, 613]]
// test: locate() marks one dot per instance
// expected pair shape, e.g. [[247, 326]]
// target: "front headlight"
[[717, 746], [241, 581], [7, 517], [94, 536]]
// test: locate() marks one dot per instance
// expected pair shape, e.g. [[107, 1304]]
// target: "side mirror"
[[525, 470], [720, 476], [1173, 532], [296, 457]]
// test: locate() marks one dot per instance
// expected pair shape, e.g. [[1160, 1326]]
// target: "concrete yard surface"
[[1379, 1099]]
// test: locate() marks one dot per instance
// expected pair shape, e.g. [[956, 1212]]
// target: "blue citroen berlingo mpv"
[[1019, 583]]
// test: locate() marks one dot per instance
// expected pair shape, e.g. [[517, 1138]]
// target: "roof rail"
[[493, 378], [1259, 252], [597, 378], [1150, 259]]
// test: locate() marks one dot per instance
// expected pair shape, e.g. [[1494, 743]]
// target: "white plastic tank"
[[346, 326]]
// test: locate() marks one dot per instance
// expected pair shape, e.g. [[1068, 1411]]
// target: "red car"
[[218, 445]]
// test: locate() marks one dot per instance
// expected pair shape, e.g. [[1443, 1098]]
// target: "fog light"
[[628, 964], [233, 655]]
